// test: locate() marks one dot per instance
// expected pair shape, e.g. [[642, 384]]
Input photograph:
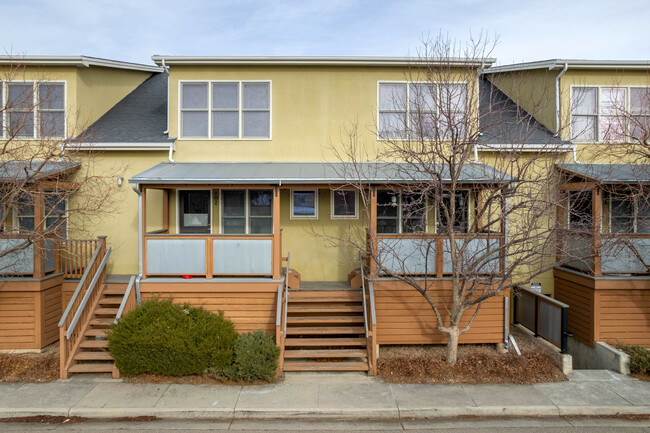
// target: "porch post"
[[277, 248], [143, 225], [165, 210], [39, 216], [597, 214], [372, 242]]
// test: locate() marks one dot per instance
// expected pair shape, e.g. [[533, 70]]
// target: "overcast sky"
[[133, 30]]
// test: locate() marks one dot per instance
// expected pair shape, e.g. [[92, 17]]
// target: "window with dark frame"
[[461, 214], [344, 203], [400, 212], [247, 211], [580, 210]]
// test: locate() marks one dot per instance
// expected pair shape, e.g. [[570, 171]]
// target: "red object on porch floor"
[[187, 277]]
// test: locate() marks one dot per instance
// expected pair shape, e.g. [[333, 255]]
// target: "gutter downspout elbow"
[[136, 188], [575, 156], [172, 146], [557, 99], [476, 154]]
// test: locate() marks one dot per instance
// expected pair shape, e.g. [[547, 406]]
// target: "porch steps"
[[92, 356], [325, 330]]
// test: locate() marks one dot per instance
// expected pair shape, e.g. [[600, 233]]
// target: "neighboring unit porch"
[[605, 250]]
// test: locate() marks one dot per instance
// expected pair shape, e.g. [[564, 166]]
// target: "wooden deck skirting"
[[608, 309], [405, 317], [29, 313]]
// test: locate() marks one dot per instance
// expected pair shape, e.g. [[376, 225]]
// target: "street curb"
[[331, 414]]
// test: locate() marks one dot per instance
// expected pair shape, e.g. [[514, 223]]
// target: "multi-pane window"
[[226, 110], [32, 109], [55, 214], [247, 211], [344, 203], [629, 213], [609, 113], [460, 218], [400, 212], [422, 110], [580, 210], [304, 204]]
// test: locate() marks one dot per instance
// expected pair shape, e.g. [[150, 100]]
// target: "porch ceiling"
[[281, 173], [610, 174]]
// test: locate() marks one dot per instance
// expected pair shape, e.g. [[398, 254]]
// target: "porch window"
[[55, 214], [226, 110], [304, 204], [399, 212], [194, 211], [344, 204], [421, 110], [247, 211], [460, 219], [33, 109], [25, 215], [580, 210], [629, 213]]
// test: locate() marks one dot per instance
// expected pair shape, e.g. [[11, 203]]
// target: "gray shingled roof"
[[141, 117], [504, 122], [324, 173], [610, 174], [11, 171]]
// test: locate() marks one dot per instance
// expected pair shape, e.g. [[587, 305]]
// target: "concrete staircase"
[[93, 356], [325, 331]]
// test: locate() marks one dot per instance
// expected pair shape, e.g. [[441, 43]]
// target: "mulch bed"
[[30, 367], [477, 363]]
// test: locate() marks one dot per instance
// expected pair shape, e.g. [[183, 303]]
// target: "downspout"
[[557, 99], [172, 146], [136, 188]]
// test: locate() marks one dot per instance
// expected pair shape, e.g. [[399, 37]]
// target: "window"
[[55, 214], [304, 204], [194, 211], [32, 109], [629, 213], [461, 212], [344, 204], [226, 110], [25, 214], [609, 113], [400, 212], [247, 211], [580, 210], [426, 110]]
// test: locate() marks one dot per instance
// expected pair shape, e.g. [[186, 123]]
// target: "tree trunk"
[[452, 344]]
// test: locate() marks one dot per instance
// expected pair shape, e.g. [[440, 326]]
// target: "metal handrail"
[[80, 285], [125, 299], [278, 308], [363, 295], [286, 294], [91, 287], [371, 294]]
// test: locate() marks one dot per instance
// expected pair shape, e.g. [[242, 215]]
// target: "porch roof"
[[279, 173], [610, 174], [11, 171]]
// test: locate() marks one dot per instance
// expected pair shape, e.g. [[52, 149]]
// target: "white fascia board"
[[314, 60], [119, 146], [79, 61], [546, 147], [573, 64]]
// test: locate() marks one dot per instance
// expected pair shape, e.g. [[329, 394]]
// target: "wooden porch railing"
[[370, 320], [281, 316], [80, 309], [76, 254]]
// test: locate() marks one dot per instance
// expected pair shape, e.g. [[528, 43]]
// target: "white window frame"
[[407, 109], [343, 217], [36, 109], [400, 215], [599, 88], [635, 219], [305, 217], [210, 110], [247, 214]]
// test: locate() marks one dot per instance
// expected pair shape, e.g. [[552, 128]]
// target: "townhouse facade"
[[237, 194]]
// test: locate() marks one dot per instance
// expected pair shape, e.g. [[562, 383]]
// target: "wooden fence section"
[[405, 317], [250, 306], [606, 309]]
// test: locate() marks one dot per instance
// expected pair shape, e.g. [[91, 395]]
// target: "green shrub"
[[256, 358], [163, 338], [639, 358]]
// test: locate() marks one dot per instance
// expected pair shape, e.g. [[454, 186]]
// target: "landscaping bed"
[[30, 367], [477, 363]]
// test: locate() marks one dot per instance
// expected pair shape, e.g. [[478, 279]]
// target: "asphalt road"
[[539, 425]]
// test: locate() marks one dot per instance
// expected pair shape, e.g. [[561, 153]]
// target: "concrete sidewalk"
[[333, 396]]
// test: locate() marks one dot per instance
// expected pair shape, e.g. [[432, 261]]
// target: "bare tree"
[[48, 191], [484, 224]]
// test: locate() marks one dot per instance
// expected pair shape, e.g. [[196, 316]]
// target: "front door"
[[194, 211]]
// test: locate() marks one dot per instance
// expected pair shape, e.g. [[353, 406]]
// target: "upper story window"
[[421, 110], [609, 113], [32, 109], [230, 110]]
